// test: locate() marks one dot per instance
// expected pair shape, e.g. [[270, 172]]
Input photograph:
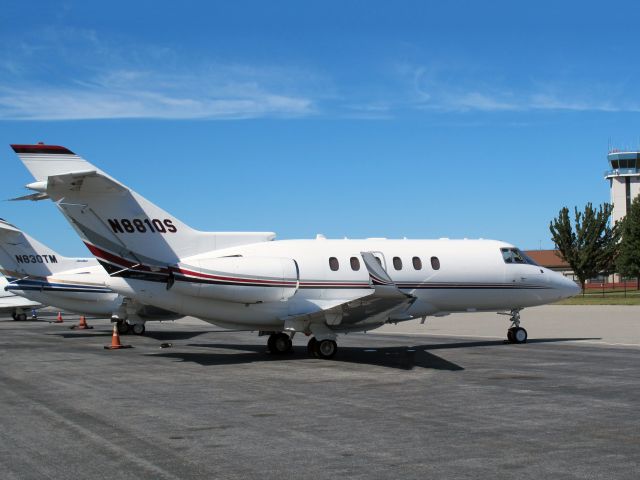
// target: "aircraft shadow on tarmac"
[[400, 357], [392, 357]]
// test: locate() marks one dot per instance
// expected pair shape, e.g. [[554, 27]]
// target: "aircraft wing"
[[376, 308], [11, 302]]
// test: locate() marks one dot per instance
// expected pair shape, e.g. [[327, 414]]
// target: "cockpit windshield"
[[513, 255]]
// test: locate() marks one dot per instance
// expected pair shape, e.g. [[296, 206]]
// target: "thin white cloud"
[[85, 77], [79, 104], [438, 89], [136, 94]]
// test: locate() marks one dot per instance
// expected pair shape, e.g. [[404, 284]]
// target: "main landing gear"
[[280, 343], [124, 328], [516, 334], [326, 348]]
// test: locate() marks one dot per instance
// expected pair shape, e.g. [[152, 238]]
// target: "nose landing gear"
[[516, 334]]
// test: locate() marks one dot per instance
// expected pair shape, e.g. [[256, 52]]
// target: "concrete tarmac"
[[390, 405], [601, 324]]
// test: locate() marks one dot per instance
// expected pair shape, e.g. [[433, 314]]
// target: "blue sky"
[[347, 118]]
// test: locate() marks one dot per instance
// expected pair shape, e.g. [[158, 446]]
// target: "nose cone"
[[566, 287]]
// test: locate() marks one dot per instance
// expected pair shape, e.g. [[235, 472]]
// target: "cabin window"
[[397, 263], [355, 264], [334, 264], [417, 263], [435, 263]]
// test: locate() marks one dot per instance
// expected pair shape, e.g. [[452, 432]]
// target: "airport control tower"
[[624, 180]]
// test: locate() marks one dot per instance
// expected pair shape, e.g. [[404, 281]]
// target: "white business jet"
[[36, 272], [317, 287]]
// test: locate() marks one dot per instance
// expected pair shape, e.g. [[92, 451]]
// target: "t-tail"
[[23, 256], [124, 230]]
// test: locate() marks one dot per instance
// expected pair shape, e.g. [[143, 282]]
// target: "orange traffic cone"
[[59, 318], [115, 340], [82, 325]]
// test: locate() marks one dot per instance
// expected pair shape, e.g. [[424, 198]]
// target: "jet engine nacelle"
[[238, 279]]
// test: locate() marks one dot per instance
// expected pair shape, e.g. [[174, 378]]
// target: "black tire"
[[510, 335], [520, 335], [138, 328], [270, 342], [14, 315], [123, 327], [327, 349], [312, 347], [279, 343], [21, 317]]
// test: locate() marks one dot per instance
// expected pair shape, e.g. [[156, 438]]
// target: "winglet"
[[378, 275]]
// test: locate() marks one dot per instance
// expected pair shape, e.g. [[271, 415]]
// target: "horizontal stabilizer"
[[34, 197]]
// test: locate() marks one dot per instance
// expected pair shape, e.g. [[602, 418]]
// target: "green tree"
[[592, 247], [628, 261]]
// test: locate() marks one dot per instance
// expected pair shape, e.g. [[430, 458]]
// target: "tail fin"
[[23, 256], [120, 227]]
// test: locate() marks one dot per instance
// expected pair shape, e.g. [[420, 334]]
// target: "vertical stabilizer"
[[122, 229], [23, 256]]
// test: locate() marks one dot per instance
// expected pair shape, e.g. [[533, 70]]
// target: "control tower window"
[[615, 164], [513, 255]]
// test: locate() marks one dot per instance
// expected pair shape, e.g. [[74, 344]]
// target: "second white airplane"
[[38, 273], [317, 287]]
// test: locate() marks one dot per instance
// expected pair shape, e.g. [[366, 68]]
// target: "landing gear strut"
[[516, 334], [279, 343], [326, 348]]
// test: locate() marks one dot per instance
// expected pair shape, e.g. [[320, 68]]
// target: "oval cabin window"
[[397, 263], [355, 264], [435, 263], [334, 264], [417, 263]]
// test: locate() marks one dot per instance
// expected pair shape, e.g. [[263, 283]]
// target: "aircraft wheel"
[[327, 348], [123, 327], [14, 315], [279, 343], [519, 335], [312, 347], [22, 317], [138, 328], [510, 335]]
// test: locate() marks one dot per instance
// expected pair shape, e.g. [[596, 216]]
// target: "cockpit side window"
[[513, 255]]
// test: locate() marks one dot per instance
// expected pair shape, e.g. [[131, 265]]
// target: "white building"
[[624, 180]]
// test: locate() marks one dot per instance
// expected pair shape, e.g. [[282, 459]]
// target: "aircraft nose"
[[568, 287]]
